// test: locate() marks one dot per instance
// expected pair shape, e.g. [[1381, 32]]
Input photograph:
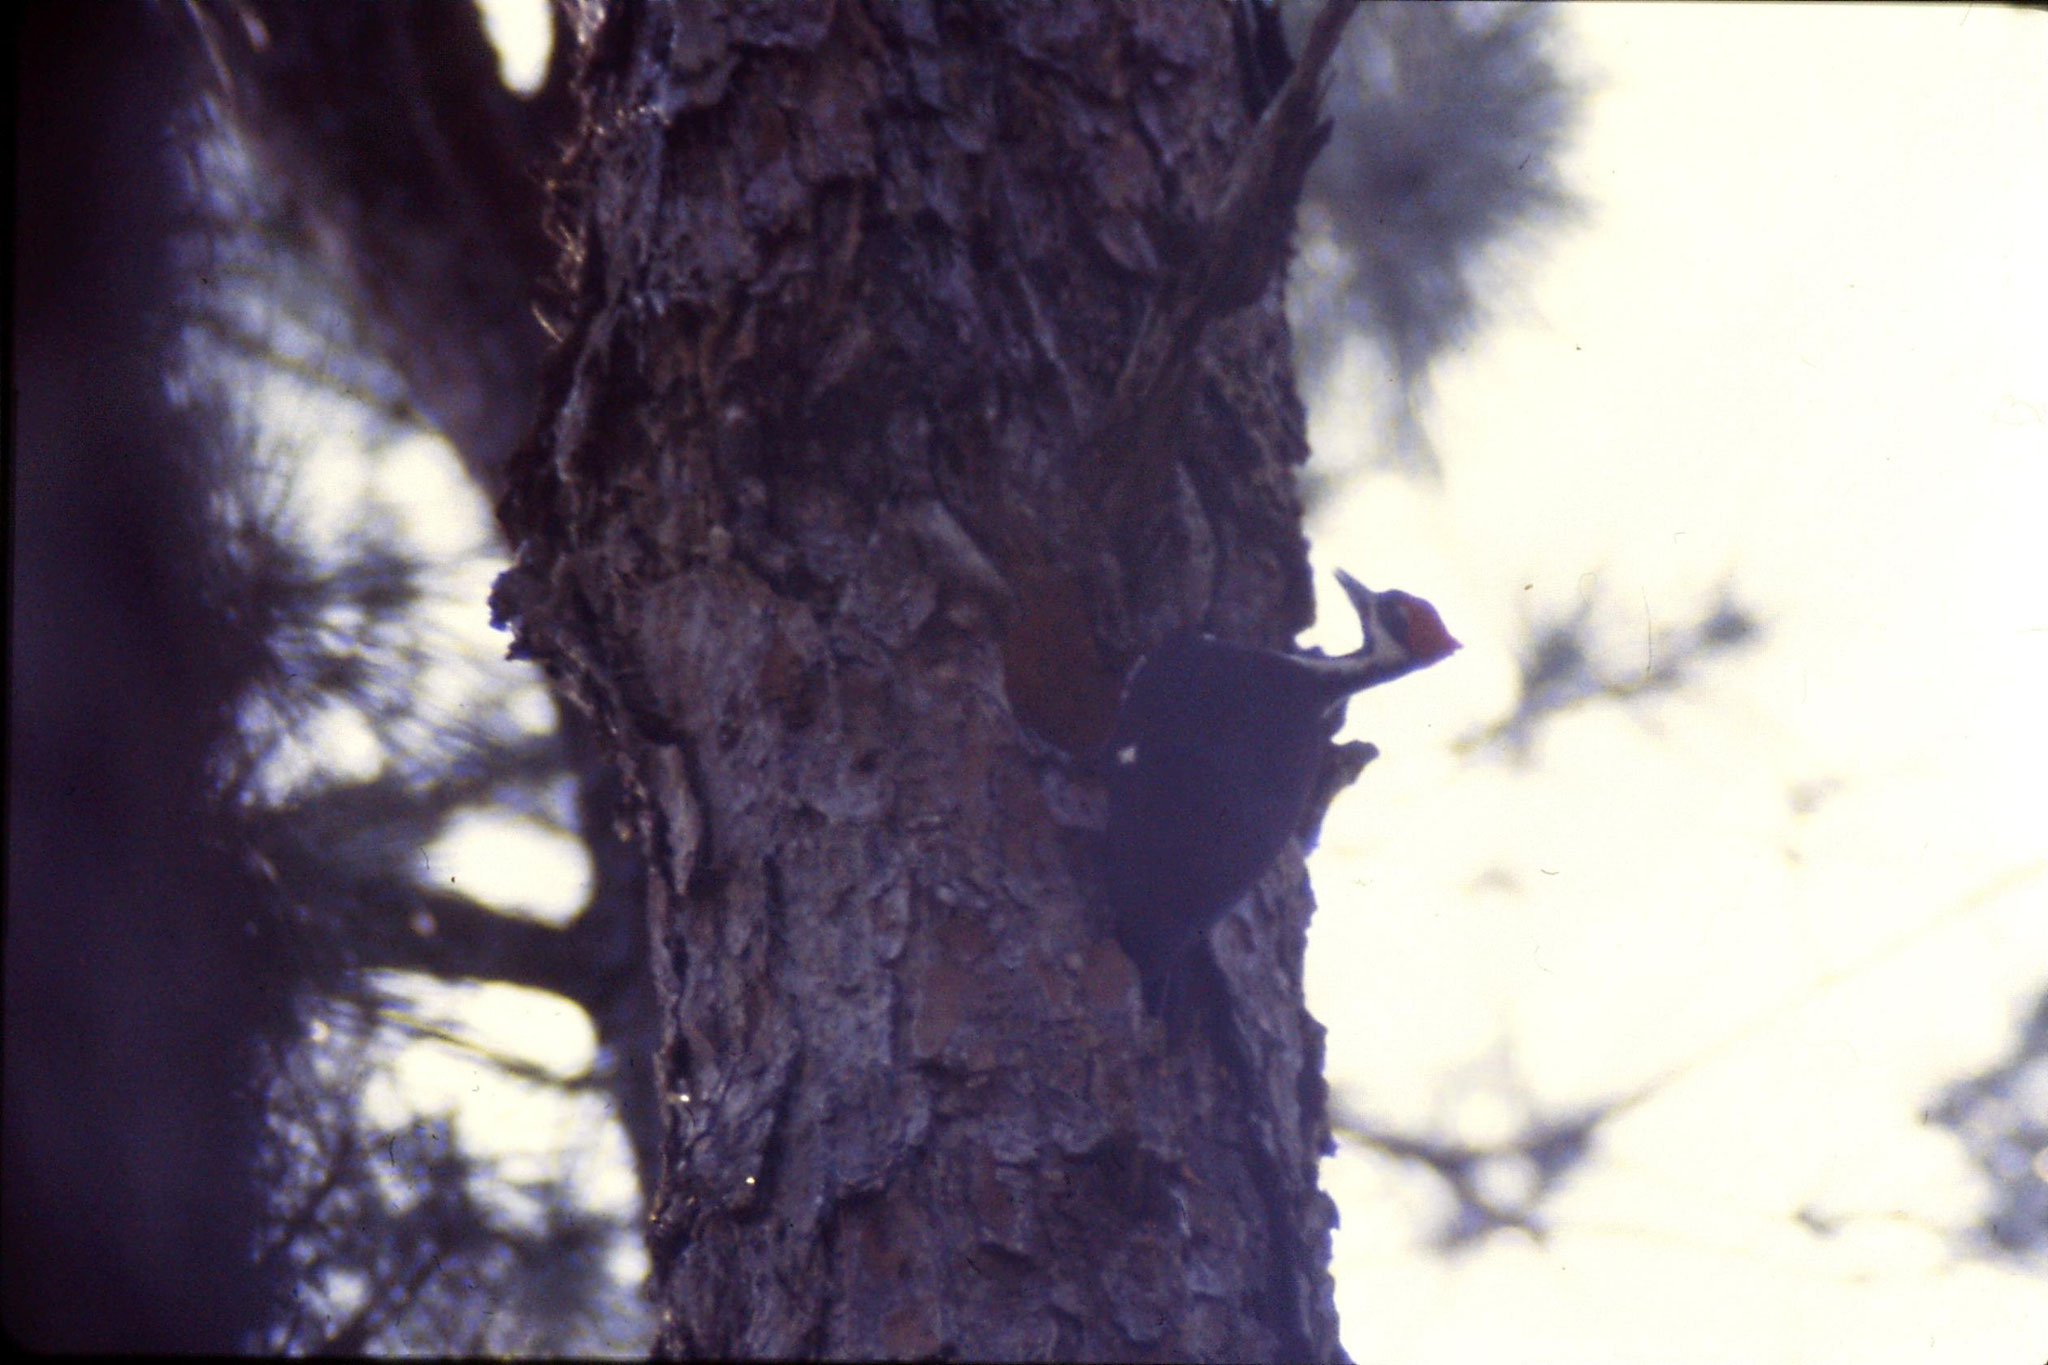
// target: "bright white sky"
[[1797, 344]]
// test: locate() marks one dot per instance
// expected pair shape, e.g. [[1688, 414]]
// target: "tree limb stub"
[[1243, 248]]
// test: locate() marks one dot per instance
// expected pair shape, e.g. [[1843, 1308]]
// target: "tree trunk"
[[138, 979], [843, 523]]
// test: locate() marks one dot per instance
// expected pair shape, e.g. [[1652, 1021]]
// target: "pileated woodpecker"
[[1217, 747]]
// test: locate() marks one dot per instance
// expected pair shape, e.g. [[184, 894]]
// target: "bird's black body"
[[1217, 747]]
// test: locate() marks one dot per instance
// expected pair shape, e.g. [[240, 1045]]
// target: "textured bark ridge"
[[818, 525]]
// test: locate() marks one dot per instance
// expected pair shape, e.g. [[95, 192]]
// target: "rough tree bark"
[[904, 397]]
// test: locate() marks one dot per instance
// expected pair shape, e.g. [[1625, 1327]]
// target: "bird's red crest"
[[1426, 638]]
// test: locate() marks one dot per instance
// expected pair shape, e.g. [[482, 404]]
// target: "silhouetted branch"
[[1560, 673], [1496, 1185], [2001, 1117]]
